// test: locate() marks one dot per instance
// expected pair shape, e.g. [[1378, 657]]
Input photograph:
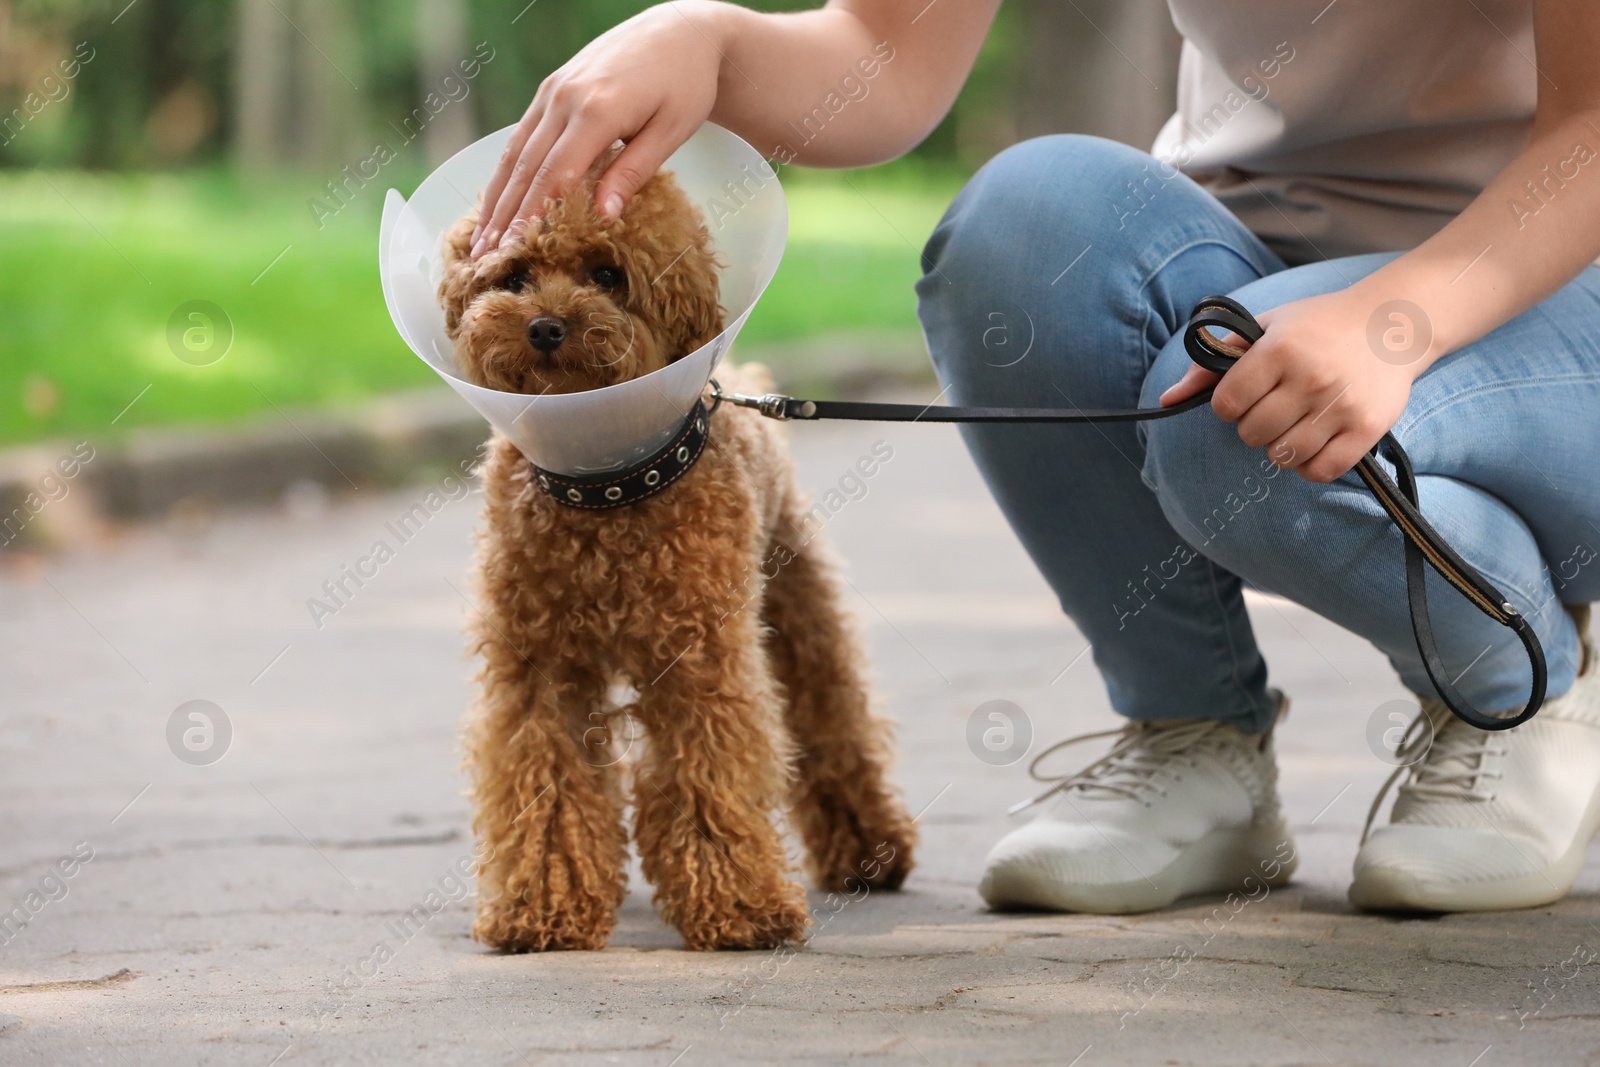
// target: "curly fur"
[[712, 601]]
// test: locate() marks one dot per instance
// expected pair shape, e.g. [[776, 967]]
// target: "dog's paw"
[[851, 848], [748, 926], [525, 929], [890, 859]]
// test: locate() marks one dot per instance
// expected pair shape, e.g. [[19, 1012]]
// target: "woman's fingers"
[[1301, 444], [650, 81], [1195, 380], [573, 153], [1249, 380], [1272, 418], [533, 158], [644, 154], [508, 160], [1343, 451], [1317, 442]]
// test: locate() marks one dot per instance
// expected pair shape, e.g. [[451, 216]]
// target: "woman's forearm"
[[1529, 233], [1537, 225], [851, 84]]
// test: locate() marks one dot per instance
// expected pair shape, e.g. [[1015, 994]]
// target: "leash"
[[1424, 545]]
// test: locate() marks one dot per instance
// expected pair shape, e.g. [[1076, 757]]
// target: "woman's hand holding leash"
[[1312, 390]]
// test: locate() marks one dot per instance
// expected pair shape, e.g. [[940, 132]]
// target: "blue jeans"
[[1062, 275]]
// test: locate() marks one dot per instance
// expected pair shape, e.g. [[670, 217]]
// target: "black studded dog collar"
[[618, 489]]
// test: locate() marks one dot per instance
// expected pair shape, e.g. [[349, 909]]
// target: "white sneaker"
[[1176, 807], [1489, 820]]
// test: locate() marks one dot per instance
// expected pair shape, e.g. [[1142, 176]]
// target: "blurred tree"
[[441, 45], [330, 109], [261, 73], [297, 95], [150, 94]]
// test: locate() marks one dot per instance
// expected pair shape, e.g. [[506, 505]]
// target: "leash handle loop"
[[1218, 312], [1424, 545]]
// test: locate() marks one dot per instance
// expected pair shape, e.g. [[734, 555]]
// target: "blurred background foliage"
[[156, 152]]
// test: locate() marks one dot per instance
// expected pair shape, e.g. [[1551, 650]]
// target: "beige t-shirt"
[[1332, 129]]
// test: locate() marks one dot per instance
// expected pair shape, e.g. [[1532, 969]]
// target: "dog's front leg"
[[709, 789], [547, 807]]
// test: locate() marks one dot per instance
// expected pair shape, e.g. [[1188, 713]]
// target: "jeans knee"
[[1206, 479], [1042, 189], [989, 268]]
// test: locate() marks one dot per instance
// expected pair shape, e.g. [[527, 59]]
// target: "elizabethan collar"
[[601, 430]]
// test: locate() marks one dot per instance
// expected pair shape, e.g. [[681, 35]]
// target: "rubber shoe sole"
[[1389, 889], [1221, 861]]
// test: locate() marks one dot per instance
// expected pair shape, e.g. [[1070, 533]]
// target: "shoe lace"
[[1444, 759], [1132, 766]]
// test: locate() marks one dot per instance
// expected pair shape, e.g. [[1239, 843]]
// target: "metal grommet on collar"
[[683, 454], [614, 492], [575, 496], [652, 477]]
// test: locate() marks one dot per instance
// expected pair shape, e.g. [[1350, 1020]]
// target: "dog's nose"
[[546, 333]]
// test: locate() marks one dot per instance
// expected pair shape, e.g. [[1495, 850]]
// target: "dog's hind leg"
[[548, 816], [855, 827], [710, 787]]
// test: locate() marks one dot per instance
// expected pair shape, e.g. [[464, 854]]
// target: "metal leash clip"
[[772, 405]]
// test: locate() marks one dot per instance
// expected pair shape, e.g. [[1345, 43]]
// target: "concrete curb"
[[150, 474]]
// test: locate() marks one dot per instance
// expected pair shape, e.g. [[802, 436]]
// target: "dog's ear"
[[685, 293], [667, 252], [688, 295], [455, 288]]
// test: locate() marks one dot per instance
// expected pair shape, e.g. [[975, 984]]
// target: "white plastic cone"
[[603, 429]]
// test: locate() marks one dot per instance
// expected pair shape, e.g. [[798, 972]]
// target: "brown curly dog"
[[708, 613]]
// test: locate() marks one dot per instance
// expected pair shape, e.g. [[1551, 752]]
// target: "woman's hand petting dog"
[[651, 81]]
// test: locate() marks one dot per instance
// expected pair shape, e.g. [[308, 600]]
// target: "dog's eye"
[[513, 282], [607, 277]]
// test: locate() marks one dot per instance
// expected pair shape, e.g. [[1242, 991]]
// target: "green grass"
[[95, 265]]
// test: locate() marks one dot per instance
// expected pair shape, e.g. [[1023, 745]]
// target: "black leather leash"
[[1424, 546]]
